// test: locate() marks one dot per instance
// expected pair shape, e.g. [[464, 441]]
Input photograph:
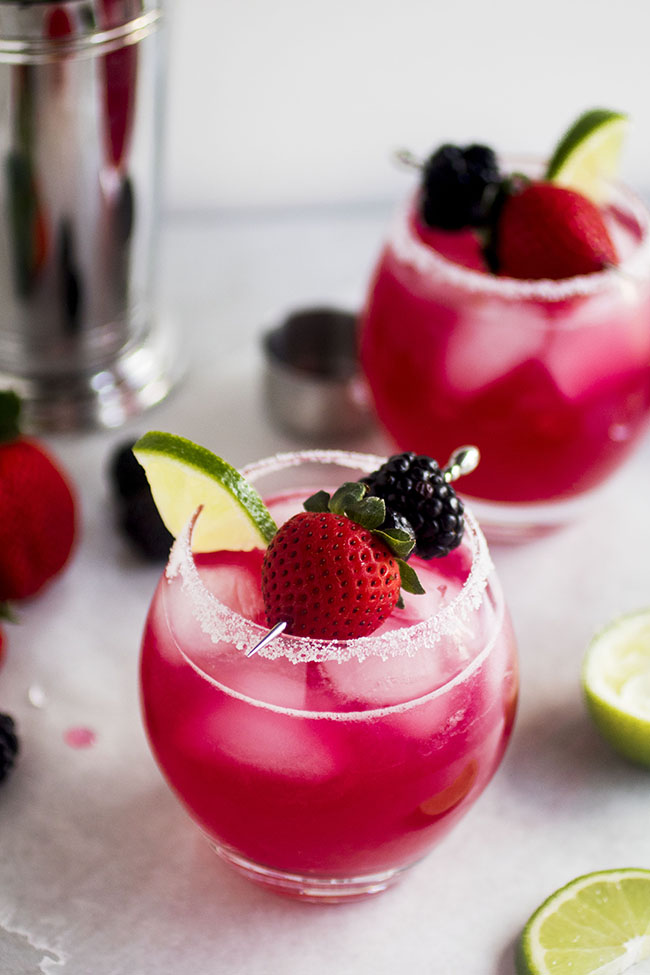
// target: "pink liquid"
[[553, 389], [329, 769]]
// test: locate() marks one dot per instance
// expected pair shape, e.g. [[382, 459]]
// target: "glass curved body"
[[324, 769], [550, 379]]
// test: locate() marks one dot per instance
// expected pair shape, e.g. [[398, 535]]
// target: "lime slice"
[[183, 476], [599, 923], [616, 684], [587, 157]]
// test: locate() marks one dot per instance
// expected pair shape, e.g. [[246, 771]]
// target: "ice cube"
[[604, 336], [488, 342], [234, 578], [267, 741], [375, 683]]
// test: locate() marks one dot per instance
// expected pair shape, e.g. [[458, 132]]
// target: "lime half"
[[599, 923], [588, 156], [616, 684], [183, 476]]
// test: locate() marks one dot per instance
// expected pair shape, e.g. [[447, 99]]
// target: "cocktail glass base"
[[506, 523], [311, 888]]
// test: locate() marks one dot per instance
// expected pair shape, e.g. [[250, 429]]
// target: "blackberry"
[[126, 474], [459, 186], [414, 487], [137, 514], [8, 745]]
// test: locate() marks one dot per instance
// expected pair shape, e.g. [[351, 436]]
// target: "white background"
[[303, 101]]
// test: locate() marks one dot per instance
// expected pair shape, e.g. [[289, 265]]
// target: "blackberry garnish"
[[459, 186], [415, 487], [8, 745], [138, 516]]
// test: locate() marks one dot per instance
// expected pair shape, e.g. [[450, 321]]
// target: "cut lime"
[[587, 157], [599, 923], [183, 476], [616, 684]]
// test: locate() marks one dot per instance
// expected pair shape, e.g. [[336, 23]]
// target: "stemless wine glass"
[[324, 769], [550, 379]]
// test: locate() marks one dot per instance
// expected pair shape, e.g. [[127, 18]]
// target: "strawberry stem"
[[9, 415]]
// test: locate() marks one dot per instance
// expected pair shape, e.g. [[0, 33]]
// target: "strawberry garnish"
[[548, 231], [330, 573], [37, 510]]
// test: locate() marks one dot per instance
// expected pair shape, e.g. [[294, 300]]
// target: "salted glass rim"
[[635, 267], [223, 624]]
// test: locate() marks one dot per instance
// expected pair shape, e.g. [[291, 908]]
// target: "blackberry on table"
[[414, 487], [127, 476], [8, 745], [459, 186], [138, 516]]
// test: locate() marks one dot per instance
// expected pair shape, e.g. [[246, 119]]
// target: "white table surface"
[[101, 873]]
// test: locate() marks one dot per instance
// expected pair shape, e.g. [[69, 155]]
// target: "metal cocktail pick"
[[463, 461], [271, 635]]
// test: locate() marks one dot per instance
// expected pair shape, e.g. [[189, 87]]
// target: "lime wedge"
[[616, 684], [599, 923], [587, 157], [183, 476]]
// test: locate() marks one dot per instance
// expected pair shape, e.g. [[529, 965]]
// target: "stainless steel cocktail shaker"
[[80, 139]]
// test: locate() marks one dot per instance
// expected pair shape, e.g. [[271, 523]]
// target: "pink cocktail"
[[324, 769], [550, 379]]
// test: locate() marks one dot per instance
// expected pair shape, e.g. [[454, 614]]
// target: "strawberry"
[[548, 231], [37, 510], [328, 573]]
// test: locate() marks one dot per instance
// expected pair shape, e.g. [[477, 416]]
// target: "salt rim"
[[425, 260], [223, 624]]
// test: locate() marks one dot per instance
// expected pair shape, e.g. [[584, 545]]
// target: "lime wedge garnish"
[[616, 684], [587, 157], [597, 923], [183, 476]]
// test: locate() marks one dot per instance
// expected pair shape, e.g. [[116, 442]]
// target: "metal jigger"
[[80, 139]]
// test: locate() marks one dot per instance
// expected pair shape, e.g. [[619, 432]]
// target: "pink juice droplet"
[[79, 737]]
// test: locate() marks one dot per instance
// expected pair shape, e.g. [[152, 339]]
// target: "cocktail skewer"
[[271, 635]]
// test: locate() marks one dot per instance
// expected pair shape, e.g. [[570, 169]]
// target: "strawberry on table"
[[37, 510]]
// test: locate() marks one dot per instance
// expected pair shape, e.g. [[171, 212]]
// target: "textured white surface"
[[101, 873]]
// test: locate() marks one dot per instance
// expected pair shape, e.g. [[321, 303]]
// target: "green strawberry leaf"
[[369, 513], [318, 502], [7, 613], [409, 578], [399, 542], [350, 493], [9, 415]]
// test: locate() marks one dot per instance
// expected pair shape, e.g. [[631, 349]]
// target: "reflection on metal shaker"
[[80, 139]]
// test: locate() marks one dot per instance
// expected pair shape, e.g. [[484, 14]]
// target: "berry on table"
[[37, 509], [138, 516], [8, 745], [329, 573], [415, 487]]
